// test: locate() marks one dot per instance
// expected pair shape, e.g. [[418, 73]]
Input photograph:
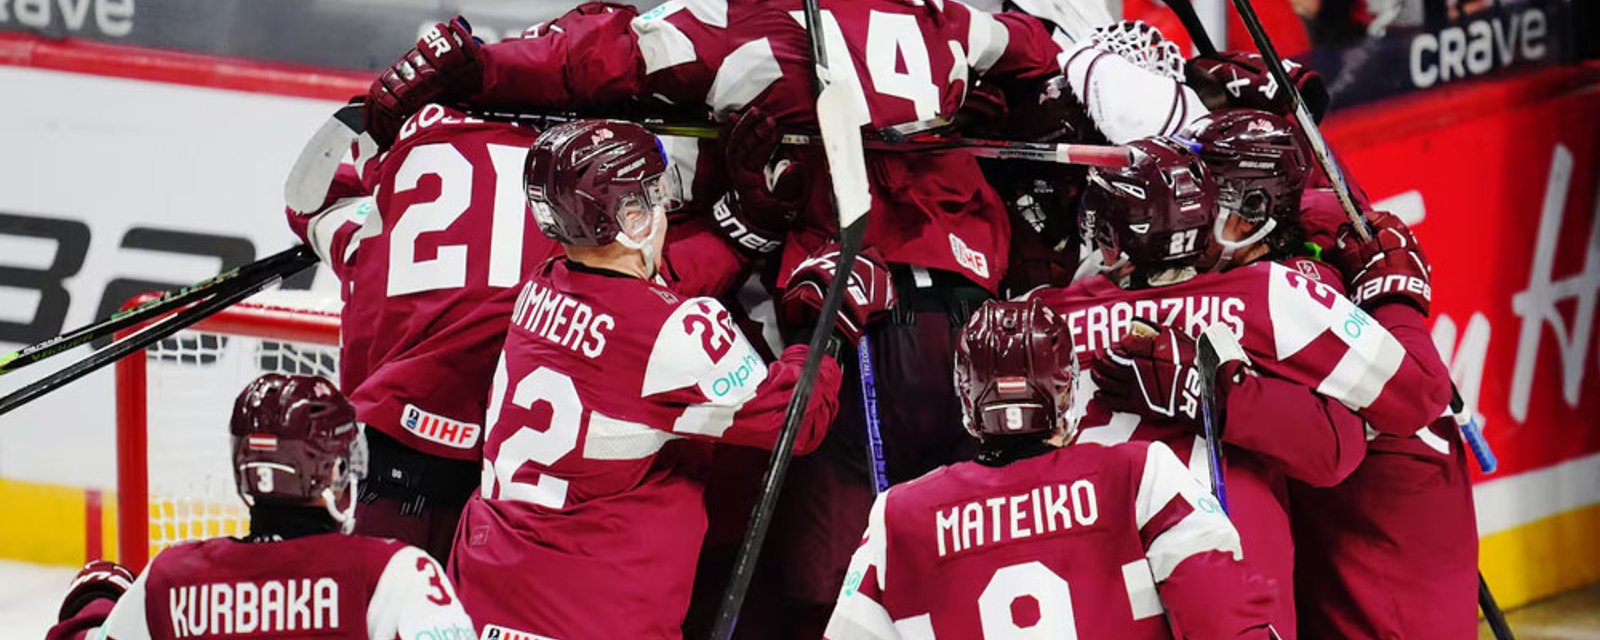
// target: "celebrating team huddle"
[[1176, 395]]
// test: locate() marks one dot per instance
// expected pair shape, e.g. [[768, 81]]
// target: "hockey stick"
[[842, 142], [242, 275], [1192, 24], [287, 263], [869, 409], [1492, 613], [1214, 342], [891, 139], [1341, 188]]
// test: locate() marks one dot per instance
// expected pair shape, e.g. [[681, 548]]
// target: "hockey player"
[[298, 457], [1159, 224], [429, 242], [1393, 550], [610, 390], [1039, 537]]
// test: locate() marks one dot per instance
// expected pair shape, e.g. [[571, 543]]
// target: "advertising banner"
[[1505, 200]]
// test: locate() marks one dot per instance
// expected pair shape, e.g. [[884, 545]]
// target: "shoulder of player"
[[1129, 455]]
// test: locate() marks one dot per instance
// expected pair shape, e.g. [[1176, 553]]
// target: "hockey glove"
[[98, 579], [1390, 267], [445, 65], [1151, 372], [1241, 79], [766, 190], [870, 294]]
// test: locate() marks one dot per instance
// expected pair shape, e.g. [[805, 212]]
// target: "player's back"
[[1292, 323], [593, 472], [329, 585], [430, 289], [1052, 545]]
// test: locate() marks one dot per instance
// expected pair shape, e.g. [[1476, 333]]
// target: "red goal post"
[[164, 497]]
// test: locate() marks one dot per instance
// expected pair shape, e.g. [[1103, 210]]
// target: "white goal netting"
[[190, 383]]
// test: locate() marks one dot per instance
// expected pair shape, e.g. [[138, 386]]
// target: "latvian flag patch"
[[436, 428], [261, 442]]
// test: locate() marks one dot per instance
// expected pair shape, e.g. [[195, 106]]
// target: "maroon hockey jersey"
[[606, 401], [906, 62], [1295, 327], [329, 586], [429, 271], [1088, 541]]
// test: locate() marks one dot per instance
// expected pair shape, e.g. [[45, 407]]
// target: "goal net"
[[174, 401]]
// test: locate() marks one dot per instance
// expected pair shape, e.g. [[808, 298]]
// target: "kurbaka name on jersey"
[[1043, 510], [246, 607], [553, 316]]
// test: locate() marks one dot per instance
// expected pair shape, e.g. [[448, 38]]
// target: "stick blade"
[[312, 173], [841, 139]]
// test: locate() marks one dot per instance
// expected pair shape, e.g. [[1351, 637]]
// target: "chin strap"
[[647, 247], [1230, 247], [345, 516]]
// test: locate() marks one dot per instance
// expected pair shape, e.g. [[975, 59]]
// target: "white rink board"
[[115, 154]]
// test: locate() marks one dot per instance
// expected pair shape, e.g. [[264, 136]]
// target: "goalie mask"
[[1260, 170], [593, 182], [1014, 371], [1155, 214], [295, 442]]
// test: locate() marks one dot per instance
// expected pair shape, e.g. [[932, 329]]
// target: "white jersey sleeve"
[[702, 356], [414, 599], [1202, 527], [859, 614], [127, 620]]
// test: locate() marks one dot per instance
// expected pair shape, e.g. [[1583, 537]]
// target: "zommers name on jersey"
[[1097, 327], [241, 608], [1041, 511], [555, 317]]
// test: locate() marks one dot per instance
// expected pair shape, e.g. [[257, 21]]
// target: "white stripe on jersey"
[[705, 420], [613, 439], [1143, 598], [1360, 376], [1298, 318], [661, 43], [857, 616], [744, 74], [1204, 529], [712, 12], [405, 602], [918, 627], [987, 40]]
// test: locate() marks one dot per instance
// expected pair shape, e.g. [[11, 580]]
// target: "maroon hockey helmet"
[[1259, 165], [1014, 370], [590, 181], [295, 441], [1157, 211]]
